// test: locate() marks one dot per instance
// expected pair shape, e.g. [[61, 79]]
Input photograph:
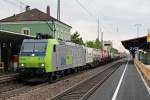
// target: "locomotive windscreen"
[[38, 48]]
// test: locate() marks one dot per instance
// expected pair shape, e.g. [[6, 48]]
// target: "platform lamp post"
[[137, 27], [102, 43], [99, 30], [58, 9]]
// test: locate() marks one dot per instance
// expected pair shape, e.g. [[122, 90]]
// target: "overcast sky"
[[117, 17]]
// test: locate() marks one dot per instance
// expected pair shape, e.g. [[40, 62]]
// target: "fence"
[[145, 71]]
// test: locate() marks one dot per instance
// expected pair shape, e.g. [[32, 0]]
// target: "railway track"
[[13, 88], [17, 89], [9, 86], [84, 89], [7, 78]]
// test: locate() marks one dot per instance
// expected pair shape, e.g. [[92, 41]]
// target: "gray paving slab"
[[132, 86], [107, 89]]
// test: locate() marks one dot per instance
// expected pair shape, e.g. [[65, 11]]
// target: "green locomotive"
[[48, 56]]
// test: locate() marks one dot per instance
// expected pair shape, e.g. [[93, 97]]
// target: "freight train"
[[51, 57]]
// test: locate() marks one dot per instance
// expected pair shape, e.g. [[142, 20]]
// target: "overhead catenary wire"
[[18, 5], [85, 9], [97, 19], [12, 3], [90, 14]]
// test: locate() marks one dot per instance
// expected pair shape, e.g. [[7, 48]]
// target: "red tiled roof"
[[30, 15]]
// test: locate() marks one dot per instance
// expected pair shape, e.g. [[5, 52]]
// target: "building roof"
[[31, 15], [140, 42], [12, 36]]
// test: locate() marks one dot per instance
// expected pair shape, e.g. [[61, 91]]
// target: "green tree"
[[90, 44], [114, 50], [97, 44], [93, 44], [75, 38]]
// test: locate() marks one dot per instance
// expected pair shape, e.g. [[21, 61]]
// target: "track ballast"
[[83, 90]]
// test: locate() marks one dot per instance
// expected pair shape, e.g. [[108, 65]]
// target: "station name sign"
[[133, 48]]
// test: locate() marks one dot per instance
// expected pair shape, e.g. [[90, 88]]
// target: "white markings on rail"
[[119, 84]]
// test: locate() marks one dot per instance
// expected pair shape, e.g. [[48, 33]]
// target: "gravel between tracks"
[[53, 89]]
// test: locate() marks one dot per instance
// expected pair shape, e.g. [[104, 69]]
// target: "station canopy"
[[140, 42], [6, 36]]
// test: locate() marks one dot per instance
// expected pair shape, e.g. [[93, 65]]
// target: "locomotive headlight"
[[22, 65], [42, 65], [33, 54]]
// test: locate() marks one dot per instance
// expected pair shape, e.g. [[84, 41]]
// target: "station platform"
[[125, 84]]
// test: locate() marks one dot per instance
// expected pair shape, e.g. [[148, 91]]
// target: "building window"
[[25, 30]]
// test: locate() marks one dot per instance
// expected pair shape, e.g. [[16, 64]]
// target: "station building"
[[139, 48], [24, 25], [35, 21], [107, 45]]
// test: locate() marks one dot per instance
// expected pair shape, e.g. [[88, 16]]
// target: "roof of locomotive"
[[35, 40], [46, 40]]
